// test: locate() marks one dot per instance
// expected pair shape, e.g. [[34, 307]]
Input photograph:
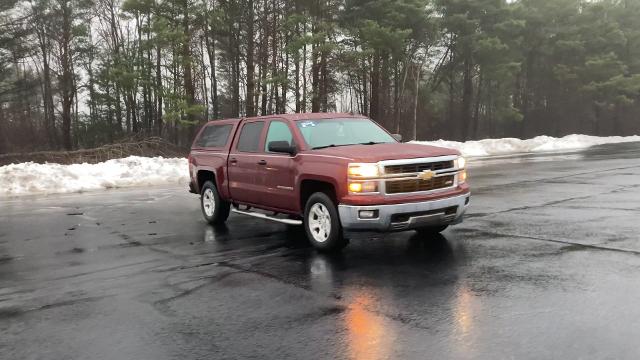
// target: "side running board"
[[267, 217]]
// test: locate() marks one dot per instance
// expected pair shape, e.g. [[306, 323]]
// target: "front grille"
[[412, 185], [419, 167]]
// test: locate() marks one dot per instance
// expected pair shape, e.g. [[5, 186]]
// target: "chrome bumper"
[[405, 216]]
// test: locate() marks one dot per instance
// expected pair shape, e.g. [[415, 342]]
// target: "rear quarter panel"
[[213, 159]]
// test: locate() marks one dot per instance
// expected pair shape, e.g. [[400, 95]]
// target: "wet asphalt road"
[[546, 265]]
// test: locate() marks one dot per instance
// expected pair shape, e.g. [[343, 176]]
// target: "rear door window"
[[249, 140], [214, 136]]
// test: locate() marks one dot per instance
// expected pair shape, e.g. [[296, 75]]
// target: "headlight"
[[363, 170], [462, 162]]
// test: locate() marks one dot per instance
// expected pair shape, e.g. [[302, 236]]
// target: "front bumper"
[[406, 216]]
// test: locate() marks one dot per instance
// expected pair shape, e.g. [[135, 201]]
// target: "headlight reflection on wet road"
[[368, 337]]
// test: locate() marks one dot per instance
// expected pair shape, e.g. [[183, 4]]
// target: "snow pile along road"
[[30, 178], [506, 146], [33, 178]]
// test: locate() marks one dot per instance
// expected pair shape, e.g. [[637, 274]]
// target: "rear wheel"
[[322, 223], [214, 209], [431, 230]]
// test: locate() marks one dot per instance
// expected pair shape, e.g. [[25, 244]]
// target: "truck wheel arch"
[[311, 186], [203, 176]]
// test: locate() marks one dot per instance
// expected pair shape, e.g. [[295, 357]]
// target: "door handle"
[[233, 161], [262, 162]]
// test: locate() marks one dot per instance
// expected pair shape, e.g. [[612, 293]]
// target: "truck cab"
[[329, 172]]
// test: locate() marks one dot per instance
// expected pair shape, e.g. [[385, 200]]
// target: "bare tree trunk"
[[66, 83], [109, 114], [274, 91], [250, 110], [210, 40], [467, 94], [451, 111], [186, 61], [296, 60], [414, 116], [324, 85], [150, 108], [304, 74], [203, 80], [401, 95], [476, 111], [375, 88], [315, 79], [3, 135], [365, 90], [115, 40], [76, 114], [44, 43], [159, 91], [284, 85], [385, 88]]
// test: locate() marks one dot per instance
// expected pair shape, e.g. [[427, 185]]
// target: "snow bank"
[[488, 147], [30, 178]]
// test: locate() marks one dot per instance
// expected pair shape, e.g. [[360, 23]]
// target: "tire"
[[322, 223], [431, 230], [214, 209]]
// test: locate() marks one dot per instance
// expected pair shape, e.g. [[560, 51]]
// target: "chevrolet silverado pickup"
[[329, 172]]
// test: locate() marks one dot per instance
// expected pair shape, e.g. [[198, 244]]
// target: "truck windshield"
[[341, 132]]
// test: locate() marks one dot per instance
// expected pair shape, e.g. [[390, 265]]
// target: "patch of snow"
[[506, 146], [33, 178]]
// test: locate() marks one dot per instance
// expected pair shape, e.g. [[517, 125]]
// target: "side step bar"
[[267, 217]]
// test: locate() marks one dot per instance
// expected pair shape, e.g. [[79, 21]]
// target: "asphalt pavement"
[[545, 266]]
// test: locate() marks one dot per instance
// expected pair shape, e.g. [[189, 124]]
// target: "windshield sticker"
[[305, 124]]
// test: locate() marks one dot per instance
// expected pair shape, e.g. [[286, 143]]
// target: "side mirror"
[[282, 147], [398, 137]]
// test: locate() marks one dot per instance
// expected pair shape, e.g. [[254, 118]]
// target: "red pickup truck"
[[328, 172]]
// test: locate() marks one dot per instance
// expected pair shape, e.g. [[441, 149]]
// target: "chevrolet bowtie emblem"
[[426, 175]]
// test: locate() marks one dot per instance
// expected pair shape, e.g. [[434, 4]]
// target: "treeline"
[[81, 73]]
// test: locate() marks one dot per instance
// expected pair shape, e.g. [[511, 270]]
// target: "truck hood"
[[391, 151]]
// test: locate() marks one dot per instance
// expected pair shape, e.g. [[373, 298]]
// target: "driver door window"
[[278, 131]]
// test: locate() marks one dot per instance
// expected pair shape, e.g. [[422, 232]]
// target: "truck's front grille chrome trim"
[[418, 167], [416, 184], [404, 176], [421, 175]]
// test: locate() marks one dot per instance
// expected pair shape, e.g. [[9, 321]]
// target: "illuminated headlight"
[[461, 162], [363, 170], [362, 187]]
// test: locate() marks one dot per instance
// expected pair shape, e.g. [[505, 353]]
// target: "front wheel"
[[322, 223], [214, 209]]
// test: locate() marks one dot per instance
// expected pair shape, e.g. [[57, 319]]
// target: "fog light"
[[462, 176], [355, 187], [363, 187], [368, 214]]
